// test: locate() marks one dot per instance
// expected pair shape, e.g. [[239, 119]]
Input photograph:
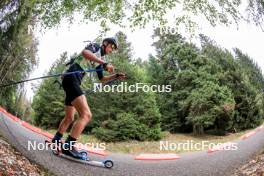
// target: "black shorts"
[[71, 85]]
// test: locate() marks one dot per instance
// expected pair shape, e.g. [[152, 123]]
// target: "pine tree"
[[48, 101]]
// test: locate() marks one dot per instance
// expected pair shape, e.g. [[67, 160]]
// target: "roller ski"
[[81, 156]]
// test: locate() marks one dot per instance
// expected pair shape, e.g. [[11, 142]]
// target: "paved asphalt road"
[[190, 164]]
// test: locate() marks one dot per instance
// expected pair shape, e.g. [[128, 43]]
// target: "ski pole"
[[49, 76]]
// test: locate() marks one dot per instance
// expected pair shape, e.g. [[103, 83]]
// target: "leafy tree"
[[255, 11], [17, 49], [141, 12]]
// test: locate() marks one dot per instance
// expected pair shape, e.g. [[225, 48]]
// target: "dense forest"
[[213, 91]]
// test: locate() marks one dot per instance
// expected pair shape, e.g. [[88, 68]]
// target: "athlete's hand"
[[120, 76], [108, 67]]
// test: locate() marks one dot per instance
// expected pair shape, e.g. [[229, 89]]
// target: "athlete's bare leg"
[[68, 119], [85, 115]]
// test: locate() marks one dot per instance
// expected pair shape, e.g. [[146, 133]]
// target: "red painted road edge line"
[[47, 134], [2, 110], [32, 128], [249, 134]]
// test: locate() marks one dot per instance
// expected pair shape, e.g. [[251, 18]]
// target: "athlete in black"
[[75, 99]]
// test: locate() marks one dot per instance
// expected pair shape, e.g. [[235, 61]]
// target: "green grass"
[[136, 147]]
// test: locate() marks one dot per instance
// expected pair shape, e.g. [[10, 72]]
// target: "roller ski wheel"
[[108, 164]]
